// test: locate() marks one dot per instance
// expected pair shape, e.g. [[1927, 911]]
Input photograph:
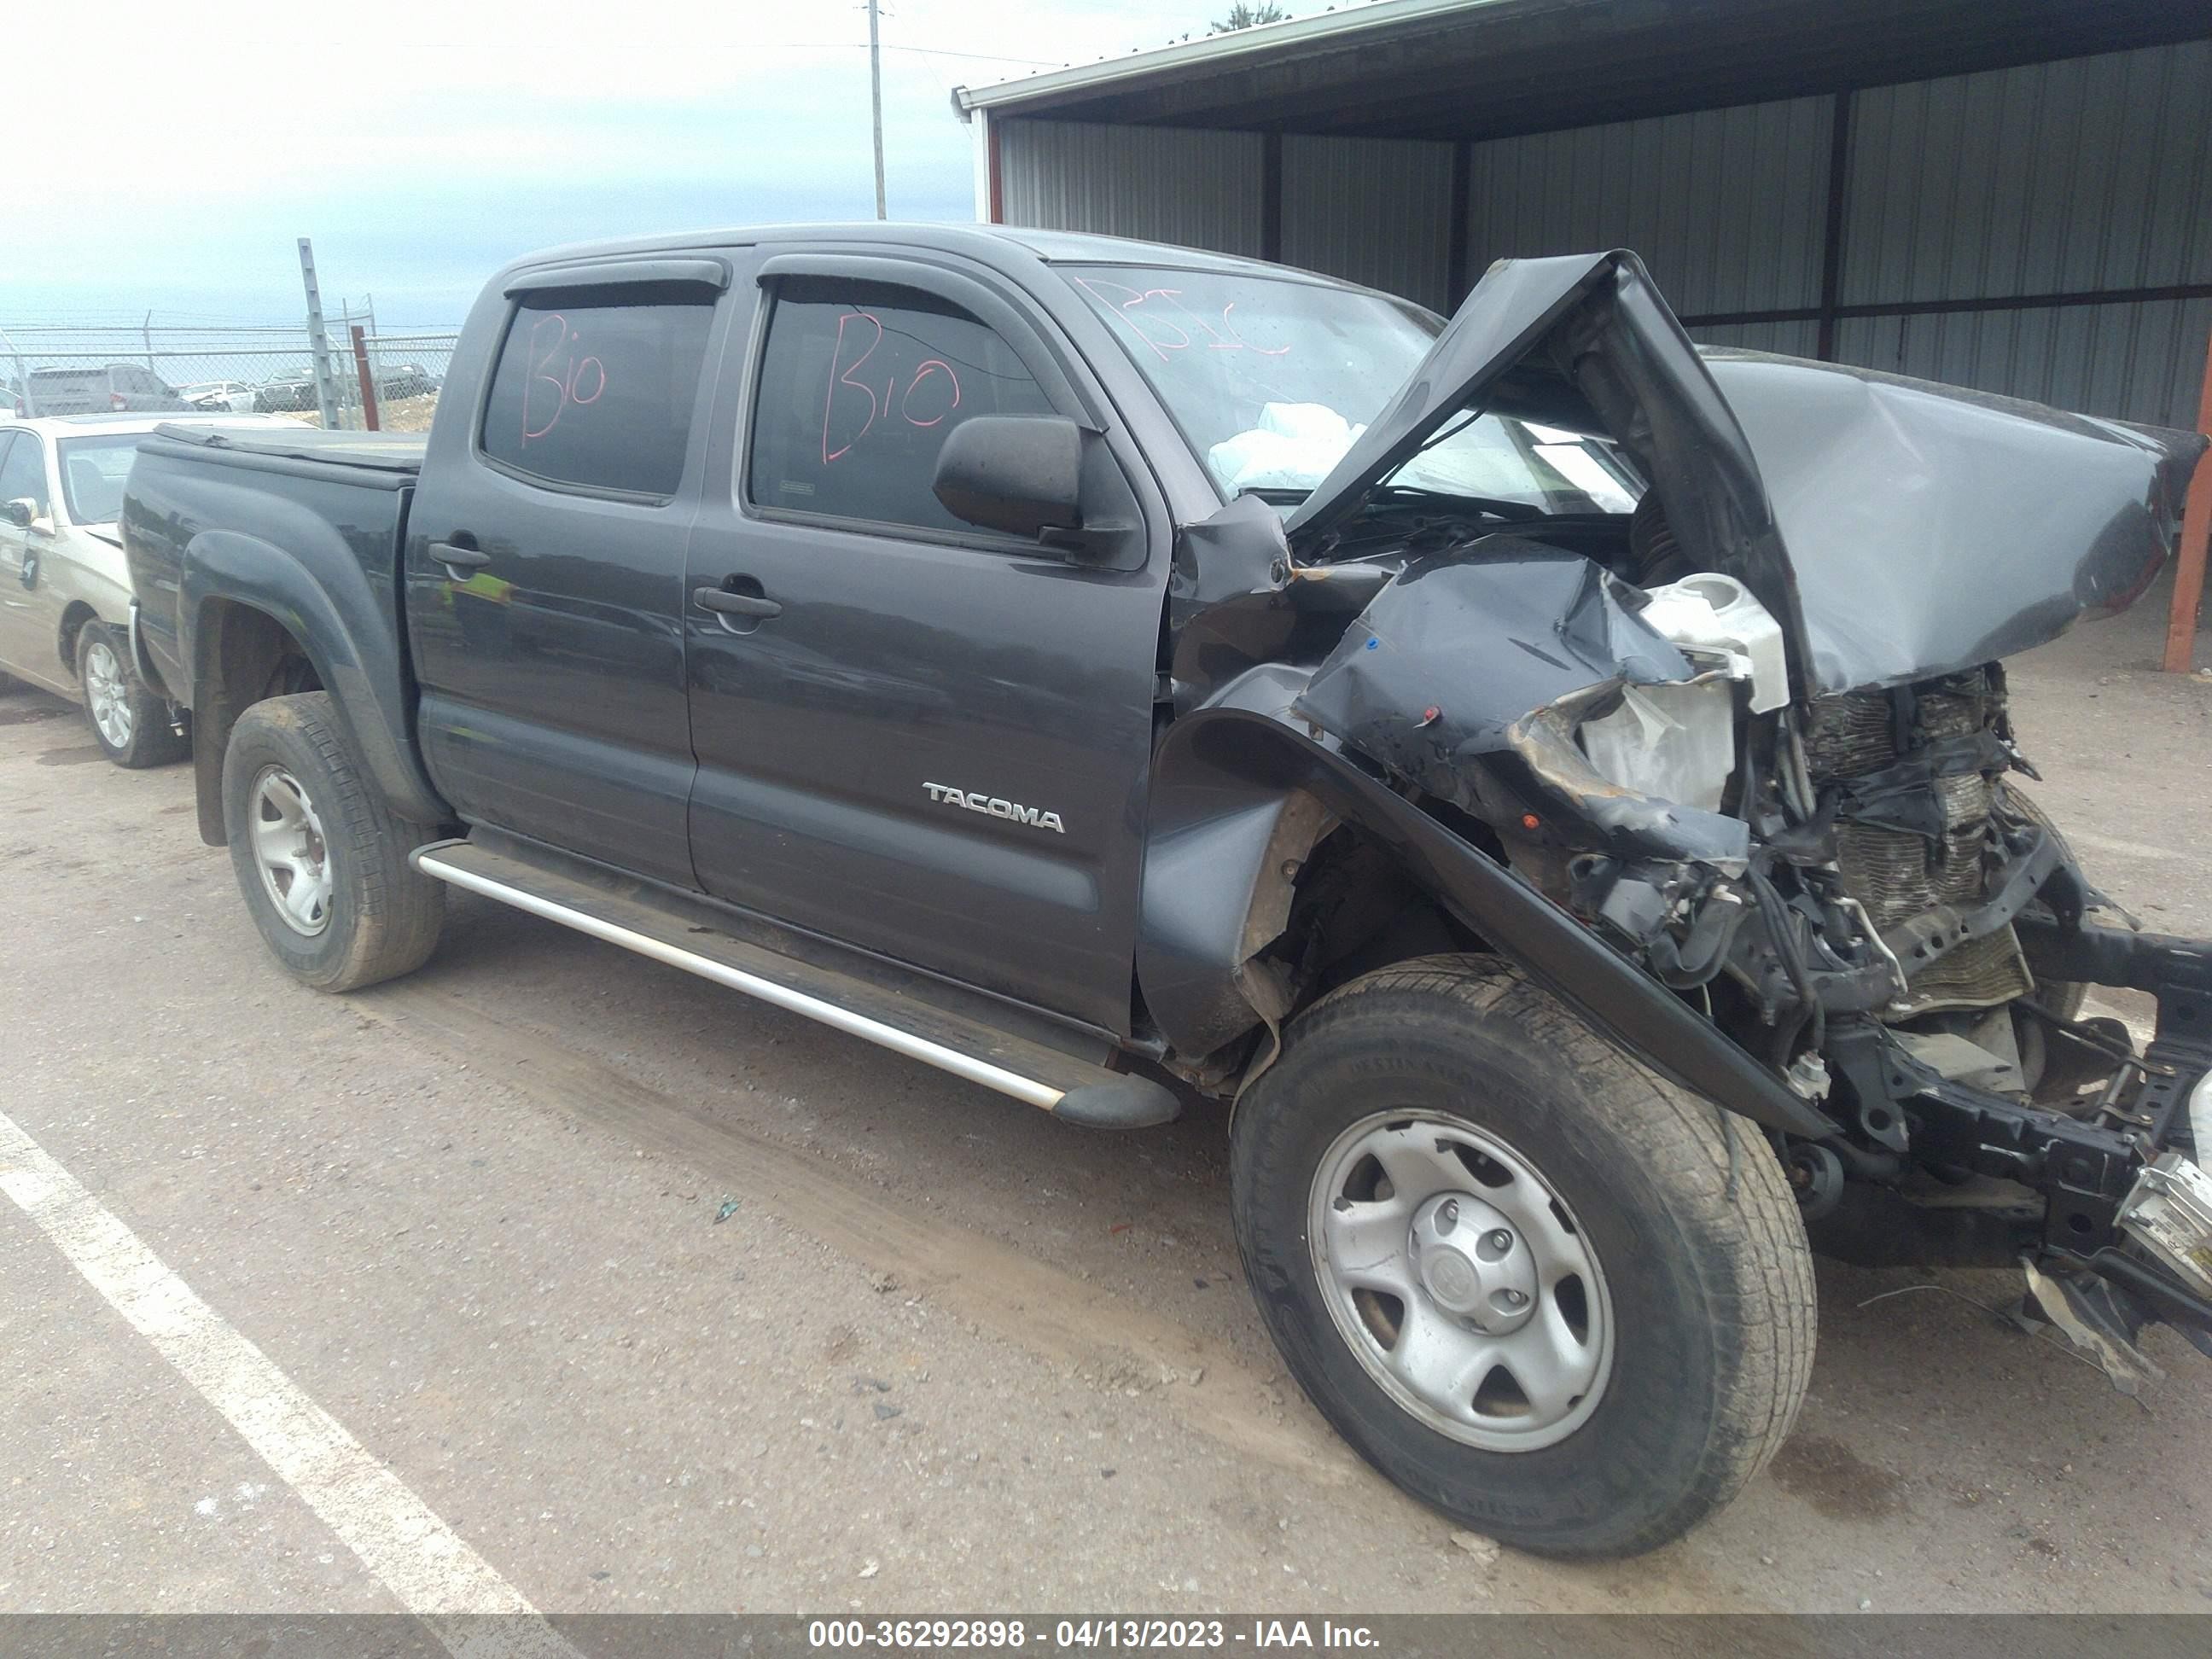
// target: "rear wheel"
[[1561, 1301], [321, 859], [130, 720]]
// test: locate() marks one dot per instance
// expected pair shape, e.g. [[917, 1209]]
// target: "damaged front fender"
[[1471, 672], [1230, 766]]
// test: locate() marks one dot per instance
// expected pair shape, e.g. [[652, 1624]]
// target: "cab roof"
[[996, 245]]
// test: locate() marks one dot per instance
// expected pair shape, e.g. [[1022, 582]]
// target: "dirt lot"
[[661, 1299]]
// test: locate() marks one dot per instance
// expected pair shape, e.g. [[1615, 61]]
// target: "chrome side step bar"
[[1063, 1084]]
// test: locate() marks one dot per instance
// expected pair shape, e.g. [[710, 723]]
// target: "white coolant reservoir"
[[1715, 615]]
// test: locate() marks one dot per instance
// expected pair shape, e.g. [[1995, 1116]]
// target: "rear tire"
[[321, 859], [130, 720], [1685, 1297]]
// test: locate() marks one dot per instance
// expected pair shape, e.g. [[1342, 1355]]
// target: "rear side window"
[[860, 385], [599, 394]]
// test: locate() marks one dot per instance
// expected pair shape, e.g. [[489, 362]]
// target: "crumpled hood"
[[1933, 528], [1896, 528]]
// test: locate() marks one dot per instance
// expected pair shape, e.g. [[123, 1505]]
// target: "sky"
[[179, 151]]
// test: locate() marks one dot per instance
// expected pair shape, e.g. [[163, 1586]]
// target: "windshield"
[[93, 474], [1270, 380]]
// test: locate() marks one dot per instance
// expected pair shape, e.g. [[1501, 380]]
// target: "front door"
[[30, 635], [916, 736], [545, 563]]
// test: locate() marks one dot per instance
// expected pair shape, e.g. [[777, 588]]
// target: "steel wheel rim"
[[107, 695], [290, 851], [1448, 1223]]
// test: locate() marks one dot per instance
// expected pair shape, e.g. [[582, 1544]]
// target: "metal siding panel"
[[2140, 362], [1372, 210], [1725, 206], [1161, 184], [2088, 173], [1790, 339]]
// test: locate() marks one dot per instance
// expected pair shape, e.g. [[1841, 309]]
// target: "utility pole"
[[876, 102]]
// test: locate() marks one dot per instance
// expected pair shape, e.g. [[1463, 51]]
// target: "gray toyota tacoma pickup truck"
[[1549, 788]]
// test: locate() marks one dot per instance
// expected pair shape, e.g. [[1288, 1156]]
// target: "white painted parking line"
[[414, 1554]]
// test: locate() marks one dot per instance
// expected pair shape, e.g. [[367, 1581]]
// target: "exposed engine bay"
[[1755, 736]]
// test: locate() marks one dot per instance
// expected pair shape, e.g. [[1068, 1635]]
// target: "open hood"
[[1896, 529]]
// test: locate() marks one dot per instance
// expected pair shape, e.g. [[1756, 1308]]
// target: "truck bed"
[[378, 451], [225, 525]]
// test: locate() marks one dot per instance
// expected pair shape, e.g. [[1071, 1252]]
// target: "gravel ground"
[[662, 1299]]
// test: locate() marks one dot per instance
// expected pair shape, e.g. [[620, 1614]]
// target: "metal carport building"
[[2009, 194]]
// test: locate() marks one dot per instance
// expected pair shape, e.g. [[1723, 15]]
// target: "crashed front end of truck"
[[1755, 736]]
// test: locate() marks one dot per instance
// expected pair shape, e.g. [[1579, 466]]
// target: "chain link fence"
[[62, 370]]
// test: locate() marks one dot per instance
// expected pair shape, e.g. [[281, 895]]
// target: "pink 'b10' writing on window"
[[1159, 317], [933, 390], [560, 375]]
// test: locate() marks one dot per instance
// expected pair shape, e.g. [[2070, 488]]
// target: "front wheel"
[[128, 720], [320, 858], [1558, 1299]]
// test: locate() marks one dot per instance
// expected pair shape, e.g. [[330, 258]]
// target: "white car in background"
[[217, 396], [64, 589]]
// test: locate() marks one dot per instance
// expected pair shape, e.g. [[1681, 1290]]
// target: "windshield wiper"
[[1388, 496]]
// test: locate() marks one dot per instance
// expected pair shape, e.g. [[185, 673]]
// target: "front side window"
[[598, 392], [860, 385], [24, 470]]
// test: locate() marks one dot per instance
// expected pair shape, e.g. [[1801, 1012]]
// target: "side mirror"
[[22, 512], [1019, 473]]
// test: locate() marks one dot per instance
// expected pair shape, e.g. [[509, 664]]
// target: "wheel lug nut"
[[1514, 1299], [1501, 1240], [1448, 1215]]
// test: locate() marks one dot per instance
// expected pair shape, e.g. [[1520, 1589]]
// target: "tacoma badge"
[[976, 801]]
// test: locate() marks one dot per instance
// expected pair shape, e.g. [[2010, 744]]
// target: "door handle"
[[458, 558], [734, 605]]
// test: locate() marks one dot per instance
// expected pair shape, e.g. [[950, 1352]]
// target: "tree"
[[1242, 16]]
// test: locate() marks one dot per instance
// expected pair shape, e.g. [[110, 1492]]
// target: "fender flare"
[[1221, 782], [326, 600]]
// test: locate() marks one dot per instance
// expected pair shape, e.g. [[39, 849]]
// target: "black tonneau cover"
[[383, 452]]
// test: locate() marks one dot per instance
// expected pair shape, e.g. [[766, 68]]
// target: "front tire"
[[321, 859], [130, 721], [1559, 1300]]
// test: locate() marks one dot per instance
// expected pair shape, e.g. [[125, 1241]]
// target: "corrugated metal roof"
[[1482, 69]]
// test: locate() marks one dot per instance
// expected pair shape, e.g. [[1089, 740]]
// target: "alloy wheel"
[[291, 851], [108, 694]]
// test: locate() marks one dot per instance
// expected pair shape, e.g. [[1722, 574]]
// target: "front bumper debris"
[[2169, 1213]]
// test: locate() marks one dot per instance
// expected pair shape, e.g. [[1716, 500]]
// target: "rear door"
[[932, 740], [545, 564]]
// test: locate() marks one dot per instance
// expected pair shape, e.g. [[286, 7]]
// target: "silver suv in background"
[[108, 388]]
